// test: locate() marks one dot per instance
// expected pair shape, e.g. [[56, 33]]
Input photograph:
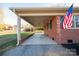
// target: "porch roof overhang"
[[37, 16]]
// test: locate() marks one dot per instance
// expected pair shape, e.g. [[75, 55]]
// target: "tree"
[[2, 27]]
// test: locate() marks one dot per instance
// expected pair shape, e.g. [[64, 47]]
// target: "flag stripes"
[[68, 18]]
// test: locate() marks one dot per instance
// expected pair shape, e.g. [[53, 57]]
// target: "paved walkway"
[[39, 45], [39, 38]]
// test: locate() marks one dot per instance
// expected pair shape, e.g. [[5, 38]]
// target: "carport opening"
[[39, 25], [39, 22]]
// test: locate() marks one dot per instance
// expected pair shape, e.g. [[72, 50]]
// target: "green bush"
[[39, 28]]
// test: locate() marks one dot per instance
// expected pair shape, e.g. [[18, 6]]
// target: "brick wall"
[[70, 34], [53, 33], [60, 35]]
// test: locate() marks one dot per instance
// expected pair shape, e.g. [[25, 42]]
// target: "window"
[[75, 21], [61, 21], [49, 25]]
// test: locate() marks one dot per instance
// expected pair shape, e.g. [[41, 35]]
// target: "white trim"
[[73, 28], [44, 14]]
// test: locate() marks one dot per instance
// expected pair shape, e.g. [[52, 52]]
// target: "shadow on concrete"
[[72, 47]]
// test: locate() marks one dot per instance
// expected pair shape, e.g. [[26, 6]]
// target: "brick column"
[[58, 29]]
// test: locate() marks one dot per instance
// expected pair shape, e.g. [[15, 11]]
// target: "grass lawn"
[[10, 40], [25, 34], [7, 38]]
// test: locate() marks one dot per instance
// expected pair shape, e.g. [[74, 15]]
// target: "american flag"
[[68, 18]]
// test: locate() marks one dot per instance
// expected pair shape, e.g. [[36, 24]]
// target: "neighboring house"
[[8, 27], [5, 27], [53, 28], [27, 27]]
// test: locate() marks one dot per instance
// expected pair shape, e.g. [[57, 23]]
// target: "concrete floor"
[[39, 38], [39, 45]]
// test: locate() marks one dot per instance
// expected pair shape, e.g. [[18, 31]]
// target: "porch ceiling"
[[37, 20], [37, 16]]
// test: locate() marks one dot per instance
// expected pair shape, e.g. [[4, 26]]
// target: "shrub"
[[2, 27]]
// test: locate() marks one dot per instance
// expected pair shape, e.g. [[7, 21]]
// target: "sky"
[[11, 18], [38, 1], [27, 5]]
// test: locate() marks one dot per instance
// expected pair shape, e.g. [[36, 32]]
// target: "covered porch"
[[38, 17]]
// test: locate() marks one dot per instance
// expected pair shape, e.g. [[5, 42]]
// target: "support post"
[[18, 30]]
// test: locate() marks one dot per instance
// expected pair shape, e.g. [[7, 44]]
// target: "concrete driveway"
[[39, 45], [39, 39]]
